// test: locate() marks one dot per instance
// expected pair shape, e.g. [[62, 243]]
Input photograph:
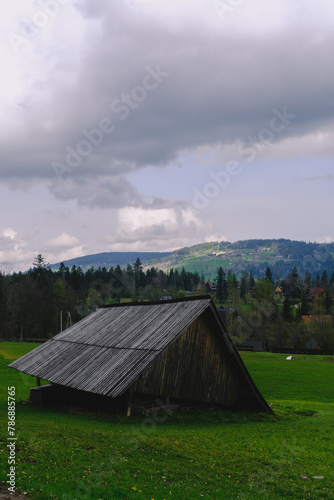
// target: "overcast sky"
[[151, 125]]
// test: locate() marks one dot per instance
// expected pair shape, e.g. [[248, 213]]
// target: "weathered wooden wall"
[[197, 366]]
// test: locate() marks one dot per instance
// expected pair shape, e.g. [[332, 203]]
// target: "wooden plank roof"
[[105, 352]]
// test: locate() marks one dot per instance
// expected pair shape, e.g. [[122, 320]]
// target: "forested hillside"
[[242, 256], [256, 255]]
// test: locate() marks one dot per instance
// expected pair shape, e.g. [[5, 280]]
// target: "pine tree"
[[294, 273], [184, 281], [139, 275], [287, 315], [129, 271], [62, 270], [244, 286], [304, 304], [317, 281], [324, 279], [296, 285], [269, 275], [39, 262], [307, 278], [231, 280], [328, 303], [171, 279], [251, 280], [117, 284], [221, 286]]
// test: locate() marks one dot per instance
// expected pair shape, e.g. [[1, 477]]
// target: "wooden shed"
[[175, 348], [253, 345], [312, 346]]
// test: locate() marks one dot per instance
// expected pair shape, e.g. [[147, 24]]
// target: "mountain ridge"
[[281, 255], [109, 259]]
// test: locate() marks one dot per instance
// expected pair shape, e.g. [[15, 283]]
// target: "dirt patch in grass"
[[7, 495], [14, 350], [6, 355]]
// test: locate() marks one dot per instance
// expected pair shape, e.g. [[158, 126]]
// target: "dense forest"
[[41, 302], [280, 312]]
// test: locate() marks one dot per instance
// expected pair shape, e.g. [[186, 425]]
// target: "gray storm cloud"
[[214, 87], [138, 93]]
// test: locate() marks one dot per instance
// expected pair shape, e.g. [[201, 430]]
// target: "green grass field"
[[201, 454]]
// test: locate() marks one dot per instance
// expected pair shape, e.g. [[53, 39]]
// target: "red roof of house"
[[316, 292], [325, 318]]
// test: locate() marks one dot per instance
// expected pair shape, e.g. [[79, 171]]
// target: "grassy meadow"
[[69, 454]]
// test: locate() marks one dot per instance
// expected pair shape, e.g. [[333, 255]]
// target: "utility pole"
[[69, 319]]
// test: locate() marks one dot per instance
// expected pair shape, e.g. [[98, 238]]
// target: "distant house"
[[209, 284], [254, 345], [316, 292], [312, 346], [320, 318], [177, 349]]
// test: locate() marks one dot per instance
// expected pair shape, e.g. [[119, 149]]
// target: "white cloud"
[[189, 218], [9, 233], [63, 247], [326, 239], [159, 229], [13, 250], [63, 241], [133, 219], [61, 256], [215, 237]]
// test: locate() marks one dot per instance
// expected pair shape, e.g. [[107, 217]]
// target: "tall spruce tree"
[[269, 275], [231, 281], [221, 285], [296, 285], [251, 280], [307, 279], [244, 286], [304, 304], [324, 279], [139, 275], [287, 314]]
